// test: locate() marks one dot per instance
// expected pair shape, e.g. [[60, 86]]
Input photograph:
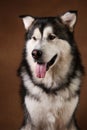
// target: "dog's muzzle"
[[42, 67]]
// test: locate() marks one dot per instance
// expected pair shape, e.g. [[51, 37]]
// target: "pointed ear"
[[27, 20], [69, 18]]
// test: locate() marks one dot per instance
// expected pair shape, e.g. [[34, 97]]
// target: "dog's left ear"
[[69, 18]]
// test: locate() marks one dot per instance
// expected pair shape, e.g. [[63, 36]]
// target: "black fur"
[[63, 32]]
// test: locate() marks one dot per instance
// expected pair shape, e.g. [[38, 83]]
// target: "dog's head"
[[48, 41]]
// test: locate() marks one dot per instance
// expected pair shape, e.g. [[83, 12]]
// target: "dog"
[[51, 71]]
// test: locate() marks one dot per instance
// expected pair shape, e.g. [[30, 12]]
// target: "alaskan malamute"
[[51, 72]]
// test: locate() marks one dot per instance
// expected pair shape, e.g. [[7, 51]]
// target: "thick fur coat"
[[51, 72]]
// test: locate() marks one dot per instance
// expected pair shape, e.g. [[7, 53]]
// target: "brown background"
[[11, 44]]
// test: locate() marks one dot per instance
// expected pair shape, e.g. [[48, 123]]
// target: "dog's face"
[[48, 41]]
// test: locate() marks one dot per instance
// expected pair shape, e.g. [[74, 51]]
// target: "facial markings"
[[47, 31], [47, 34], [36, 34]]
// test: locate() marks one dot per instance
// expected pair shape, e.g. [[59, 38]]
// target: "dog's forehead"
[[43, 26], [46, 31], [37, 33]]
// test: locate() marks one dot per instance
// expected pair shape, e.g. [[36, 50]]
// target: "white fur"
[[37, 34], [69, 19], [49, 49], [50, 110], [27, 21], [47, 30]]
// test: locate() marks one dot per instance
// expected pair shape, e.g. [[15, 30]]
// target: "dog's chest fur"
[[49, 110]]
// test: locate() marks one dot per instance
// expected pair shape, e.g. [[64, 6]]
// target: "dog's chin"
[[41, 67]]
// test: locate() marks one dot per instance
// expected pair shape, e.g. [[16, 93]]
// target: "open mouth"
[[41, 68], [51, 62]]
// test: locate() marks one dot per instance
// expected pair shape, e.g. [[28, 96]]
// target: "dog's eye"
[[51, 36], [34, 38]]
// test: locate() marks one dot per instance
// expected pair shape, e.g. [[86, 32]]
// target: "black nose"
[[36, 54]]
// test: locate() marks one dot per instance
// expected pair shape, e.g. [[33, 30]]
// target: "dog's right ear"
[[27, 20]]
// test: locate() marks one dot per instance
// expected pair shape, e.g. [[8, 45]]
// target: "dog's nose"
[[36, 54]]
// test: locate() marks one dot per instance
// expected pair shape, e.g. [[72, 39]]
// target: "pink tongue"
[[40, 70]]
